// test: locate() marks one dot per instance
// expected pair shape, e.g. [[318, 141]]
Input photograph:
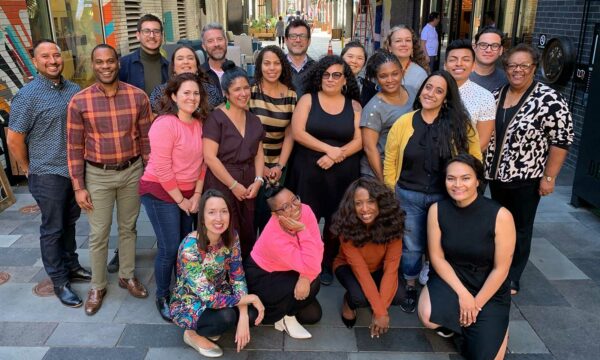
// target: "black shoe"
[[113, 265], [67, 296], [409, 303], [349, 322], [444, 332], [162, 305], [326, 277], [515, 286], [80, 274]]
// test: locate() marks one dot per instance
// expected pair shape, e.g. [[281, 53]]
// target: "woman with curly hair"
[[370, 226], [325, 126], [402, 42], [273, 100], [418, 146]]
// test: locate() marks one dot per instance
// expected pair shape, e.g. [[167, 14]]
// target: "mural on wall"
[[16, 67]]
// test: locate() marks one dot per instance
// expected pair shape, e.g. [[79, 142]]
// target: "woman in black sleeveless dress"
[[471, 242], [325, 127]]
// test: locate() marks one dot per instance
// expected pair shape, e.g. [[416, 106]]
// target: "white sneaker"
[[292, 327], [424, 274]]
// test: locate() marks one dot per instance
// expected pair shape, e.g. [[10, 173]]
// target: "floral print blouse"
[[213, 279]]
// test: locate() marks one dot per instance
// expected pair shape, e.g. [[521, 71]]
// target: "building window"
[[133, 11], [181, 19], [39, 20]]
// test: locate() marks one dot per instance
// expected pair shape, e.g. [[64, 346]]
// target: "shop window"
[[133, 11], [39, 20], [181, 19], [527, 21]]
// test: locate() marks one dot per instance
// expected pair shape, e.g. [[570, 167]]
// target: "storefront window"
[[527, 20], [39, 19]]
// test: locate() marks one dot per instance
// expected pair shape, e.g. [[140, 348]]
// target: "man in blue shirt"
[[37, 139]]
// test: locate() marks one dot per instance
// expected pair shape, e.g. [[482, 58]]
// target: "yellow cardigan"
[[398, 137]]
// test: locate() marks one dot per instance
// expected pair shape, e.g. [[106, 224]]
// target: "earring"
[[344, 88], [227, 105]]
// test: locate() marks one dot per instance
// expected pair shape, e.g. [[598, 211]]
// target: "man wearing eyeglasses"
[[488, 49], [297, 41], [145, 67]]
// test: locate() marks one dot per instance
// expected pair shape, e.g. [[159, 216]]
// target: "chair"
[[245, 44], [234, 54], [230, 36]]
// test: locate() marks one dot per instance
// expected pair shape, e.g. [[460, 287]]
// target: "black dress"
[[323, 189], [468, 241]]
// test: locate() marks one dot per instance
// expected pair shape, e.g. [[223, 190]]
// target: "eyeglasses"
[[297, 36], [147, 32], [484, 46], [288, 205], [524, 67], [335, 75]]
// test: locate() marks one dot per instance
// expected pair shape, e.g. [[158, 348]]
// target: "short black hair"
[[297, 23], [432, 16], [104, 46], [40, 42], [148, 17], [460, 44], [490, 30], [354, 44], [469, 160]]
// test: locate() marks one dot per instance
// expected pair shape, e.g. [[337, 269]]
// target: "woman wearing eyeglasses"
[[285, 263], [534, 130], [325, 126]]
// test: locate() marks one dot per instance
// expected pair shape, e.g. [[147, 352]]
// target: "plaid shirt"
[[106, 130]]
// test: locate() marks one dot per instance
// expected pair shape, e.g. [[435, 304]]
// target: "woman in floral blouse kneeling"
[[211, 295]]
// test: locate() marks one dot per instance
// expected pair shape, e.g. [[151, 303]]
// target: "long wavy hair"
[[418, 54], [228, 236], [454, 122], [286, 70], [387, 226], [168, 106], [314, 77]]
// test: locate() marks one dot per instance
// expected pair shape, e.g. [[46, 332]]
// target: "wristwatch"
[[548, 178]]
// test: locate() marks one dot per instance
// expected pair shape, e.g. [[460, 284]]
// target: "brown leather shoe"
[[134, 286], [94, 301]]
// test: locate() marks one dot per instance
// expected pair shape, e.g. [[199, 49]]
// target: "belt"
[[118, 167]]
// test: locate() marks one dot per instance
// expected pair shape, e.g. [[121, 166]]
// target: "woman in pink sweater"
[[172, 183], [284, 263]]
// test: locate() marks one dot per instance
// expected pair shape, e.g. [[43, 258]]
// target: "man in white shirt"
[[430, 40], [478, 101]]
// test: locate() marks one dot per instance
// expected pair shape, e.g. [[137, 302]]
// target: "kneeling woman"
[[369, 224], [285, 262], [471, 242], [211, 295]]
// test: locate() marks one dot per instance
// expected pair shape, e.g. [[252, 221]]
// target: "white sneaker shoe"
[[292, 327], [424, 274]]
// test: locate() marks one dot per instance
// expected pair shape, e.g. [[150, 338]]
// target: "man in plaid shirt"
[[107, 143]]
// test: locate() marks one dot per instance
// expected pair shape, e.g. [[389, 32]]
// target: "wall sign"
[[542, 41]]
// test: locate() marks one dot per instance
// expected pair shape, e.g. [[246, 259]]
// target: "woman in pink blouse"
[[172, 182], [284, 263]]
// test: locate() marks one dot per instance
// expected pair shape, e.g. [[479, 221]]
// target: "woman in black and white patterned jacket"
[[534, 130]]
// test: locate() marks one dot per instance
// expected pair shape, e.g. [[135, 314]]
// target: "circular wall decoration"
[[558, 60]]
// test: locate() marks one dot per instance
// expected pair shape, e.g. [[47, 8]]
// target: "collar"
[[98, 87], [136, 56], [465, 83], [51, 84], [298, 69]]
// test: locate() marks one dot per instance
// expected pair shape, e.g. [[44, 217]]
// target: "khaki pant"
[[106, 187]]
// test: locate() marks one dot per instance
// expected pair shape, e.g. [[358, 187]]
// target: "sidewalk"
[[556, 315]]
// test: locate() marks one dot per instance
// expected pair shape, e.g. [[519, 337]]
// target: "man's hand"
[[84, 200]]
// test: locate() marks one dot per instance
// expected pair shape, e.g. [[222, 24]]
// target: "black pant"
[[522, 202], [354, 294], [214, 322], [276, 291], [56, 199]]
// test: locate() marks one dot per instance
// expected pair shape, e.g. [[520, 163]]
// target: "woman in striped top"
[[273, 100]]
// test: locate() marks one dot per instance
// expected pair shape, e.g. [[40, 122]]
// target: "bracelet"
[[233, 185], [182, 198], [197, 192], [258, 178]]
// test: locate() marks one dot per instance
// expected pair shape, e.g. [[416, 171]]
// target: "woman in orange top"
[[369, 224]]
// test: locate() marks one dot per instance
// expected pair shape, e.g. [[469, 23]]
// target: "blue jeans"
[[56, 199], [170, 225], [416, 205]]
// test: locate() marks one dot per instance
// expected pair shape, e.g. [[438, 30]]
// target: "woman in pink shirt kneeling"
[[285, 262], [172, 183]]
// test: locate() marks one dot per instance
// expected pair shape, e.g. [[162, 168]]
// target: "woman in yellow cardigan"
[[419, 145]]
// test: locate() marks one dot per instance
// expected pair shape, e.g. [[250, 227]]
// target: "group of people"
[[236, 174]]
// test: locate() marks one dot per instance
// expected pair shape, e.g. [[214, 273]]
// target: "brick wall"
[[557, 18]]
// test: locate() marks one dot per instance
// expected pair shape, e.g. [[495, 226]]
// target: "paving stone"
[[20, 353], [537, 290], [27, 241], [330, 298], [586, 218], [324, 339], [188, 353], [296, 355], [83, 334], [572, 239], [395, 356], [568, 333], [262, 338], [19, 216], [27, 227], [524, 340], [552, 263], [515, 313], [79, 353], [8, 226], [148, 335], [19, 257], [581, 294], [8, 240], [134, 311], [25, 334], [21, 274], [590, 267], [404, 340]]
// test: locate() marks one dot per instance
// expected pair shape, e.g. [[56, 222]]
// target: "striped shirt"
[[106, 130], [275, 114]]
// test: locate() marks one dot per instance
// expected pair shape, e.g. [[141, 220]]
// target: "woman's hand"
[[185, 205], [290, 224], [379, 325], [239, 191], [194, 203], [252, 190], [242, 333], [336, 154], [468, 309], [266, 172], [258, 305], [302, 288], [325, 162], [546, 187], [275, 174]]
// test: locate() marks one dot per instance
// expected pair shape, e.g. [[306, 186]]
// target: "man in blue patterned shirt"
[[37, 139]]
